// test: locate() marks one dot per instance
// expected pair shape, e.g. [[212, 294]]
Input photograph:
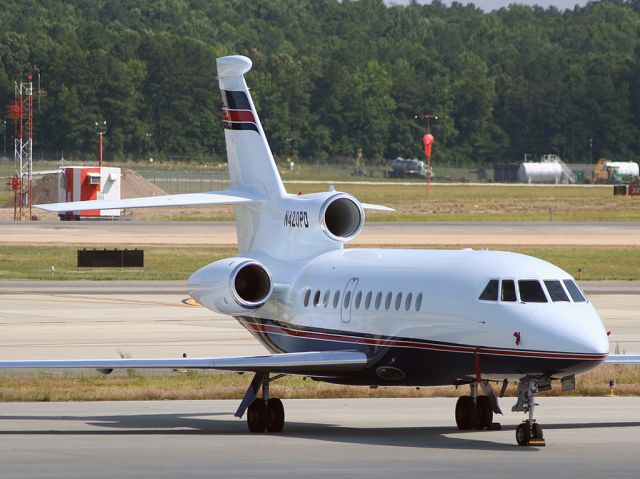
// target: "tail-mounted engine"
[[341, 217], [232, 286]]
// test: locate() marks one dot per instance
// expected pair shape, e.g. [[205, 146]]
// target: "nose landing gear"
[[529, 432]]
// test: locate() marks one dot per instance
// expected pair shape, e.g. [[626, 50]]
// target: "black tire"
[[484, 413], [523, 433], [257, 416], [536, 431], [465, 413], [275, 415]]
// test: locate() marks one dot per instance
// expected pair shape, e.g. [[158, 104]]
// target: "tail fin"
[[251, 163]]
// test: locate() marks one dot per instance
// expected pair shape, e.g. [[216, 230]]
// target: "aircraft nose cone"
[[589, 334], [595, 343]]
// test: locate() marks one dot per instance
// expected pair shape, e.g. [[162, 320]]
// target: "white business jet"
[[372, 317]]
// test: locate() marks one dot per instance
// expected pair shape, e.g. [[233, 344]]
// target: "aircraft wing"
[[315, 363], [623, 359], [226, 197]]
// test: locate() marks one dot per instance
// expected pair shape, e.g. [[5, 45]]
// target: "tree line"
[[331, 76]]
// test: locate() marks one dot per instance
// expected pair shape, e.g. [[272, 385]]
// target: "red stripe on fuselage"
[[274, 329], [238, 115]]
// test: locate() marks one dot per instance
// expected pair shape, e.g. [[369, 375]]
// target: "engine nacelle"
[[341, 217], [232, 286]]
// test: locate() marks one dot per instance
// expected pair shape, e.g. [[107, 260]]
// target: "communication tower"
[[21, 112]]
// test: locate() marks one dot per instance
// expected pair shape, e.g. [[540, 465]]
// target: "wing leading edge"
[[623, 359], [226, 197], [315, 363]]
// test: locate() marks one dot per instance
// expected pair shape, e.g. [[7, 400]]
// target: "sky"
[[488, 5]]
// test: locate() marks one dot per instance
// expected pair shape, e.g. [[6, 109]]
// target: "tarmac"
[[373, 438]]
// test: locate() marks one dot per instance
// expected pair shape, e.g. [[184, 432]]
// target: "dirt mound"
[[45, 189], [132, 185]]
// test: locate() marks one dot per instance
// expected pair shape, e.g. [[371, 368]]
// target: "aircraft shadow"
[[207, 424]]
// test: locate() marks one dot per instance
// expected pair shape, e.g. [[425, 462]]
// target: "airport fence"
[[174, 182]]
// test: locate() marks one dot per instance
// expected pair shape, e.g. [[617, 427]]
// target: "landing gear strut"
[[476, 412], [529, 432], [262, 413]]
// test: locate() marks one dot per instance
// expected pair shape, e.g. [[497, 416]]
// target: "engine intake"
[[251, 284], [341, 217], [232, 286]]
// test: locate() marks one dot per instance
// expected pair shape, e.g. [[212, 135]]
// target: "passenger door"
[[347, 300]]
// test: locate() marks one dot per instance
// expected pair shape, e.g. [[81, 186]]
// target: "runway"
[[90, 233], [376, 438]]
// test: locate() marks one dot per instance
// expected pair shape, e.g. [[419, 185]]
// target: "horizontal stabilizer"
[[226, 197], [321, 363], [623, 359], [369, 206]]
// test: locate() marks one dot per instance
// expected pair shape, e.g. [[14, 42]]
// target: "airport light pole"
[[101, 128], [4, 140]]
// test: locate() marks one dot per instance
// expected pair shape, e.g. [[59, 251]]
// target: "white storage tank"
[[545, 172], [629, 168]]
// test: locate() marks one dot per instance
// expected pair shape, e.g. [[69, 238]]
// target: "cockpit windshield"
[[556, 291], [574, 291], [508, 290], [532, 291]]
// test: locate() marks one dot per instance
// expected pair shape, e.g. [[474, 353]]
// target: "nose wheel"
[[529, 432]]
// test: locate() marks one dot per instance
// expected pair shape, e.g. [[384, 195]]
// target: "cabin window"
[[556, 291], [307, 295], [347, 299], [508, 290], [531, 291], [418, 301], [336, 299], [398, 301], [407, 302], [367, 300], [378, 299], [325, 299], [574, 291], [490, 292], [358, 299], [316, 298], [387, 301]]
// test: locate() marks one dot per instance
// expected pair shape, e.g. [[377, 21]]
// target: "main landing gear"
[[476, 412], [263, 413], [529, 432]]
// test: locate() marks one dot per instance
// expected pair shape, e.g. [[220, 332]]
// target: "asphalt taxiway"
[[375, 438]]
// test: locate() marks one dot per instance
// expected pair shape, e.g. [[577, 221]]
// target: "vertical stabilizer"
[[251, 163]]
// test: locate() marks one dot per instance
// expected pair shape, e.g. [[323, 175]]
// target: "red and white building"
[[81, 183]]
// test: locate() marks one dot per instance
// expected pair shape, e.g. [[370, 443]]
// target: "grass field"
[[491, 203], [161, 262], [178, 263], [194, 385], [444, 203], [455, 203]]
